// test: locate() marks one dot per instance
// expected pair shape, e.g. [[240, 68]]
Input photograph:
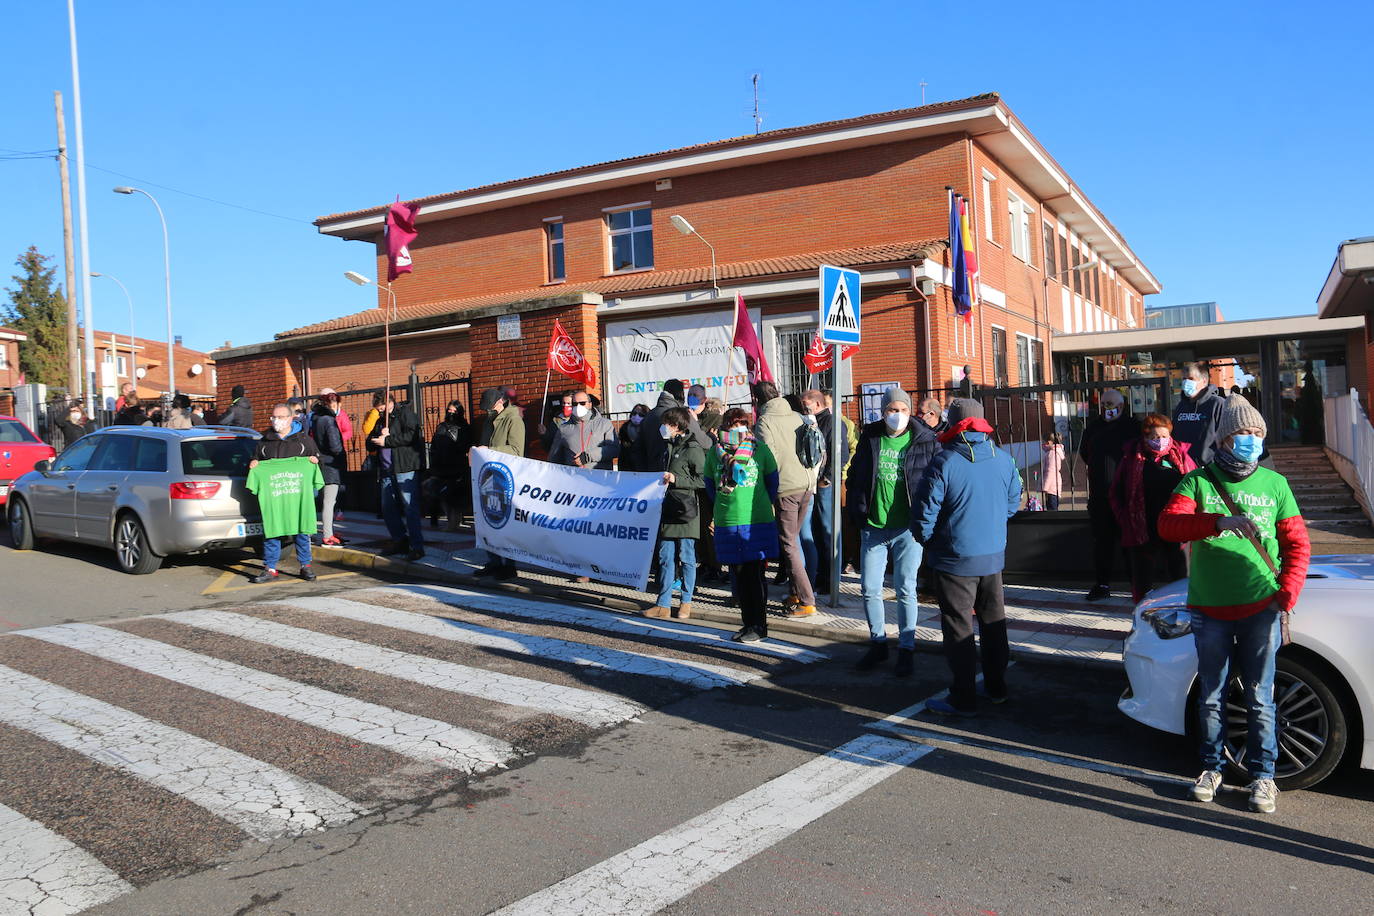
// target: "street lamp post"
[[681, 225], [1045, 289], [133, 350], [167, 276], [354, 277]]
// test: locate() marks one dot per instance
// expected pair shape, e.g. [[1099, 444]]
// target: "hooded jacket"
[[296, 445], [1195, 422], [863, 471], [240, 413], [777, 428], [963, 502], [649, 448], [505, 432], [594, 435], [330, 443]]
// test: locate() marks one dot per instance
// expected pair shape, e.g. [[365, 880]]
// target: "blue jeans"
[[818, 561], [271, 551], [874, 546], [401, 493], [671, 552], [1255, 643]]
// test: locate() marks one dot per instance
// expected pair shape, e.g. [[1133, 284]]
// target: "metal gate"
[[428, 396]]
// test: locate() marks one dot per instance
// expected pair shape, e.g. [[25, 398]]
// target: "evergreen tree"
[[38, 309]]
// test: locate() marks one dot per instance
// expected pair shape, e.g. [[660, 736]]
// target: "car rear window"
[[225, 457], [14, 431]]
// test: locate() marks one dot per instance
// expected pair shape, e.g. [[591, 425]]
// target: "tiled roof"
[[746, 140], [623, 284]]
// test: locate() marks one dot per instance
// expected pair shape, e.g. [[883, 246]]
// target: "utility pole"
[[758, 118], [74, 389], [92, 383]]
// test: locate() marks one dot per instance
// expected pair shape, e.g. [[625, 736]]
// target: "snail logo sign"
[[695, 348]]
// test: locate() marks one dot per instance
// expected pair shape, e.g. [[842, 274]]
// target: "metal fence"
[[428, 396], [1349, 434]]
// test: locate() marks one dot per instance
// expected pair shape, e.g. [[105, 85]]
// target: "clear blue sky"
[[1231, 143]]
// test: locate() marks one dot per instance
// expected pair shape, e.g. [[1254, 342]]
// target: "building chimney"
[[177, 340]]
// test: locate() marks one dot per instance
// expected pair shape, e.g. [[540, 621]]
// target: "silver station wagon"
[[144, 491]]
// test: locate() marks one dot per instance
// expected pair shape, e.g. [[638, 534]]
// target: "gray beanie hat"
[[963, 408], [896, 396], [1238, 413]]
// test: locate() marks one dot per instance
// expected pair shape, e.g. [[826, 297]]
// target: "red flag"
[[745, 338], [818, 358], [566, 359], [400, 232]]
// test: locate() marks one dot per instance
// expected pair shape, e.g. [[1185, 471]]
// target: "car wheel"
[[21, 529], [1312, 725], [131, 547]]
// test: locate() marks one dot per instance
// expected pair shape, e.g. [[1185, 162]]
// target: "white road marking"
[[43, 872], [590, 707], [668, 867], [262, 800], [416, 737], [698, 674], [607, 621]]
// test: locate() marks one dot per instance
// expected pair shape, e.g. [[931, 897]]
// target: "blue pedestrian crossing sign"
[[839, 305]]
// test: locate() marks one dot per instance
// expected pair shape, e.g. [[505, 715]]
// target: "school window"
[[795, 376], [1023, 367], [999, 357], [1019, 224], [1038, 362], [1077, 274], [632, 238], [1063, 255], [123, 366], [4, 357], [109, 357], [553, 232], [987, 206], [1051, 263]]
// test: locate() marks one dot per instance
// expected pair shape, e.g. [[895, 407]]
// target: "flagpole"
[[544, 404], [730, 351]]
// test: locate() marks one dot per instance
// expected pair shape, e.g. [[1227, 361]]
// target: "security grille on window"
[[554, 231], [632, 239], [1023, 366], [999, 357], [793, 376]]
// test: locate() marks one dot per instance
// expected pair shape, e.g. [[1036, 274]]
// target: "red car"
[[20, 450]]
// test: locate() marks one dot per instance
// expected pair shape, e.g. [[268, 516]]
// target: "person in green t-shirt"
[[285, 475], [1236, 599]]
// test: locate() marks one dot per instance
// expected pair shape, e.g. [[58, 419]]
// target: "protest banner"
[[583, 522], [695, 348]]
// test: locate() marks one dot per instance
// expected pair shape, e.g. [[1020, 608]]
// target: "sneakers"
[[490, 571], [331, 541], [1098, 592], [749, 634], [267, 575], [996, 696], [875, 656], [1206, 786], [943, 707], [802, 610], [307, 573], [505, 573], [790, 604], [395, 548], [1264, 796], [906, 663]]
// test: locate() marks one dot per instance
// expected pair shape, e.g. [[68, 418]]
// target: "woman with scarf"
[[1249, 565], [742, 478], [1151, 467]]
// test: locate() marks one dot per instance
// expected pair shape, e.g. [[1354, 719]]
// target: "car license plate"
[[250, 529], [4, 491]]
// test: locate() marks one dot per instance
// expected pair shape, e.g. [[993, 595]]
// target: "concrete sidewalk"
[[1045, 623]]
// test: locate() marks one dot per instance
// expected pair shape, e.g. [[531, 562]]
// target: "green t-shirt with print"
[[891, 506], [748, 503], [285, 488], [1225, 568]]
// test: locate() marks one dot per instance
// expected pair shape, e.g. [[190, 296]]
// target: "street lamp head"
[[1088, 266], [681, 225], [354, 277], [123, 189], [96, 274]]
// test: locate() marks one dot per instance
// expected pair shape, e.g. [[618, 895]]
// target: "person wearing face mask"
[[965, 497], [329, 441], [823, 506], [1105, 439], [279, 442], [504, 431], [557, 414], [742, 478], [1248, 568], [586, 438], [777, 428], [1150, 469], [398, 442], [648, 451], [629, 434], [1197, 413], [680, 524], [75, 424], [890, 459], [448, 461]]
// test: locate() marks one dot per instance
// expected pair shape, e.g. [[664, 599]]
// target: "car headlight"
[[1169, 622]]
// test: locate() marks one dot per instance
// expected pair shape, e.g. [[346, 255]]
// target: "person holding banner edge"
[[504, 431], [680, 524]]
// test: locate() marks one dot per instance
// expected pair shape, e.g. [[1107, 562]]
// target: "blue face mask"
[[1247, 448], [693, 401], [1189, 388]]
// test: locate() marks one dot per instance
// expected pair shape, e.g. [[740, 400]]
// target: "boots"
[[684, 611]]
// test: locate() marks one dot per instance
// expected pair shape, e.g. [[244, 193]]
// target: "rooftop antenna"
[[923, 91], [758, 118]]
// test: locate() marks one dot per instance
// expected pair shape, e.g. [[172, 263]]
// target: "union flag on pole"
[[747, 340], [400, 232], [566, 359], [818, 358]]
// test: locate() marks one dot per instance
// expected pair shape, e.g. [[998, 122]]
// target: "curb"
[[360, 559]]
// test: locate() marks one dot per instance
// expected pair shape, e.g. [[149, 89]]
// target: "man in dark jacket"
[[1104, 441], [240, 412], [962, 505], [1195, 417], [823, 506], [585, 438], [889, 460], [333, 461], [448, 461], [397, 441], [650, 448], [279, 442]]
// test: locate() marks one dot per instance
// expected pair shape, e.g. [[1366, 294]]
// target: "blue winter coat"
[[963, 501]]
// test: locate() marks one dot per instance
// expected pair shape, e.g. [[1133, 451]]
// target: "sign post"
[[841, 323]]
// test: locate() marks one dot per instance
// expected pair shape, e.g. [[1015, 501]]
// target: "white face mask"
[[282, 425], [580, 411], [75, 417], [808, 419], [665, 431], [896, 421]]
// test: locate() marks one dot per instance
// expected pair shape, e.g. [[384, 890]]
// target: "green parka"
[[685, 461]]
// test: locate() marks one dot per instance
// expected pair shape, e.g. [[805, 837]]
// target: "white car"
[[1323, 688]]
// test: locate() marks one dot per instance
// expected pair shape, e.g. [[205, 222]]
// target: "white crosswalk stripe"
[[573, 703], [42, 872], [606, 621], [262, 800], [697, 674], [417, 737]]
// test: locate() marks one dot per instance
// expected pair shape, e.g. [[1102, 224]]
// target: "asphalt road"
[[614, 769]]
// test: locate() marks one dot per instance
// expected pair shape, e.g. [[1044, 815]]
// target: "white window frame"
[[4, 356], [1020, 218], [611, 234], [1031, 341], [988, 180], [549, 243], [122, 364], [109, 357], [992, 353]]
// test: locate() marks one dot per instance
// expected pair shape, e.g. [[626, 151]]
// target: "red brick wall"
[[363, 365], [267, 379], [9, 376]]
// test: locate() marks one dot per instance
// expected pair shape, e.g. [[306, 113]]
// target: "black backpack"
[[810, 445]]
